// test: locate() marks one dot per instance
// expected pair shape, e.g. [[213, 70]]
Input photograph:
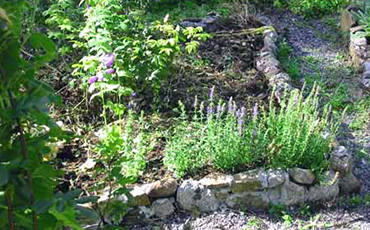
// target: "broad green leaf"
[[67, 217], [42, 206], [4, 175], [87, 213], [47, 221], [44, 44], [87, 199]]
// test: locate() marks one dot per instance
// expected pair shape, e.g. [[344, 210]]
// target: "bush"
[[312, 7], [296, 134]]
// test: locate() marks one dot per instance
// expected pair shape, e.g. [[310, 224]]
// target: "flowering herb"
[[110, 71], [211, 93], [108, 59], [93, 79], [255, 111], [100, 76], [210, 110]]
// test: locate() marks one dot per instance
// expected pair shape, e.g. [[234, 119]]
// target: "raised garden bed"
[[257, 188]]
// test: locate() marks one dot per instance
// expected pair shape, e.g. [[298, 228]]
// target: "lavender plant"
[[294, 134]]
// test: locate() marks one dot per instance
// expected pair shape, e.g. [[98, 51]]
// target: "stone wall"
[[359, 47], [257, 188], [268, 64]]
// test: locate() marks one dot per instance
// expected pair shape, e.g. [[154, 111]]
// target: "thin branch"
[[10, 210]]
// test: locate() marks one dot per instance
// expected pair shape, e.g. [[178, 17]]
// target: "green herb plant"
[[295, 134]]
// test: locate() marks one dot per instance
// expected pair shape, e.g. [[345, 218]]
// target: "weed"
[[361, 114], [277, 210], [253, 223], [305, 210], [290, 64], [356, 201]]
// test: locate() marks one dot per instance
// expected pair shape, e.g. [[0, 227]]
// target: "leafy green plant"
[[27, 184], [253, 223], [363, 18], [314, 7], [361, 114], [289, 64], [65, 20], [296, 134], [125, 54]]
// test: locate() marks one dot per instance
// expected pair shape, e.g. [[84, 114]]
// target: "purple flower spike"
[[210, 111], [108, 59], [219, 111], [211, 92], [110, 71], [255, 110], [133, 94], [93, 79], [100, 76]]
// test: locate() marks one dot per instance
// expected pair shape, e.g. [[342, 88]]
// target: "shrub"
[[296, 134], [312, 7]]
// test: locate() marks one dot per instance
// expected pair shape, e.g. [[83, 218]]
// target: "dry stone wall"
[[257, 188], [359, 47]]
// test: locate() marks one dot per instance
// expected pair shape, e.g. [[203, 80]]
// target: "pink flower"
[[93, 79], [108, 59], [110, 71]]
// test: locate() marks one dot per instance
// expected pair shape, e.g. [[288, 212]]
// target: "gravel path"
[[323, 56]]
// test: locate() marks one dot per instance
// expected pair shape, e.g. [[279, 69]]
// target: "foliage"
[[363, 18], [27, 184], [297, 134], [122, 152], [288, 62], [312, 7], [361, 114], [143, 53], [64, 23]]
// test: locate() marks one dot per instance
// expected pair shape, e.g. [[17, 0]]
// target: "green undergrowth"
[[289, 63], [311, 8], [187, 9], [361, 113], [296, 134]]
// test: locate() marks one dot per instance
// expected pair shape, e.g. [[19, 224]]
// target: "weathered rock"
[[222, 194], [275, 177], [139, 196], [145, 211], [346, 20], [258, 200], [217, 180], [163, 188], [250, 181], [193, 196], [341, 160], [327, 189], [349, 183], [163, 207], [302, 176], [292, 193]]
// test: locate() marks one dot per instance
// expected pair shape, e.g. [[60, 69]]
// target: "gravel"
[[320, 39]]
